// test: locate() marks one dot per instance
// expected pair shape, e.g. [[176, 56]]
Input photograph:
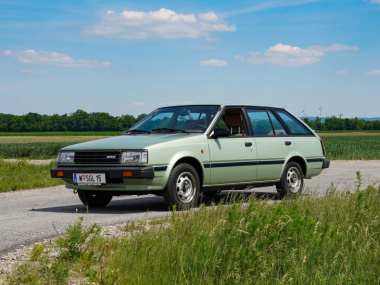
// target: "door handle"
[[288, 143], [248, 144]]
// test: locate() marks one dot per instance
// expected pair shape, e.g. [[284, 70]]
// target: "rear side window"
[[293, 124], [265, 123], [260, 122], [278, 128]]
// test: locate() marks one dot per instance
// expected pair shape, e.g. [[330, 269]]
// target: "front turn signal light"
[[127, 173], [59, 173]]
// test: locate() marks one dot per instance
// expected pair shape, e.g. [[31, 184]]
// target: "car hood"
[[139, 141]]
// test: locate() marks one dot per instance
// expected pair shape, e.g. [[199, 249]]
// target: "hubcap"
[[294, 179], [186, 187]]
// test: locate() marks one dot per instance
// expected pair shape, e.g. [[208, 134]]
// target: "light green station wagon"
[[180, 151]]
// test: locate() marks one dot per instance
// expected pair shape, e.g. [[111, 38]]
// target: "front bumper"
[[326, 164], [111, 172]]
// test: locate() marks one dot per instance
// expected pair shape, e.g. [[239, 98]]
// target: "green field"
[[328, 240], [42, 150], [58, 134], [23, 175], [354, 147]]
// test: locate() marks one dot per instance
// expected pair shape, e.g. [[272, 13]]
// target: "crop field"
[[41, 150], [339, 145], [58, 134], [348, 134], [352, 148]]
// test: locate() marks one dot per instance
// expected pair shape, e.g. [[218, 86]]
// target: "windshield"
[[192, 119]]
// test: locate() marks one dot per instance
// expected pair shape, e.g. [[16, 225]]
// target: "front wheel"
[[94, 199], [182, 189], [291, 183]]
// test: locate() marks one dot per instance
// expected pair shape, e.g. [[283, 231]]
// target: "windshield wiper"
[[136, 131], [170, 130]]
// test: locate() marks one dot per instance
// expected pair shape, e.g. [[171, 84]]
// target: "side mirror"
[[219, 133]]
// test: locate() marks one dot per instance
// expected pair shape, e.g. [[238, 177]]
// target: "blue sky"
[[130, 57]]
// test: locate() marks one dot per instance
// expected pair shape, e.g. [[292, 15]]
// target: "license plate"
[[89, 178]]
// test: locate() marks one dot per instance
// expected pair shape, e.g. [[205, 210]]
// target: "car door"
[[273, 144], [233, 157]]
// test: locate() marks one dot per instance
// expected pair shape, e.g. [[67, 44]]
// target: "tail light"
[[323, 148]]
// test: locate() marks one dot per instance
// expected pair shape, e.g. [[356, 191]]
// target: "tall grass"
[[32, 150], [352, 148], [331, 240], [327, 240], [23, 175]]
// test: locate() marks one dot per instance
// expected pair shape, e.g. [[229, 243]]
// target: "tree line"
[[342, 124], [100, 121], [78, 121]]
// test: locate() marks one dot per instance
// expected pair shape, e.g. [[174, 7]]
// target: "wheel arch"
[[301, 161], [194, 163]]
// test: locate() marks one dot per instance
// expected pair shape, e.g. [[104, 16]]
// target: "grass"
[[23, 175], [32, 150], [338, 148], [348, 133], [352, 148], [60, 134], [326, 240], [42, 139]]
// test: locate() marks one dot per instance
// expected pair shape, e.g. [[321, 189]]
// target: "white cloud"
[[54, 58], [373, 72], [213, 62], [334, 47], [343, 72], [292, 56], [35, 72], [375, 1], [164, 23], [138, 104]]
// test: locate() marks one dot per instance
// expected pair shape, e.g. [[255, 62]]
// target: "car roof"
[[225, 105]]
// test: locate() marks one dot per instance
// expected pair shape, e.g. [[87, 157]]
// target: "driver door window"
[[233, 120]]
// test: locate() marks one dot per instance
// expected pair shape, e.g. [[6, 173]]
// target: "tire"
[[182, 189], [93, 199], [291, 183]]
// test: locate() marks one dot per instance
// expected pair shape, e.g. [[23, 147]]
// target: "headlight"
[[128, 157], [66, 157]]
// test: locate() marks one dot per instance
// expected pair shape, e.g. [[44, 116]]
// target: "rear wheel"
[[291, 183], [94, 199], [182, 189]]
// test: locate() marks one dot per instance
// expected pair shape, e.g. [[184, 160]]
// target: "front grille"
[[97, 157]]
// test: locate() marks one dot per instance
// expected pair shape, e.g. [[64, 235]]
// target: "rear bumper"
[[326, 164], [111, 172]]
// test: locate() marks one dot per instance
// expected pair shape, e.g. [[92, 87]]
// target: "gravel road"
[[33, 215]]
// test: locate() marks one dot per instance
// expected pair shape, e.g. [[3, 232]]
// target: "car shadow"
[[150, 203], [228, 197], [117, 206]]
